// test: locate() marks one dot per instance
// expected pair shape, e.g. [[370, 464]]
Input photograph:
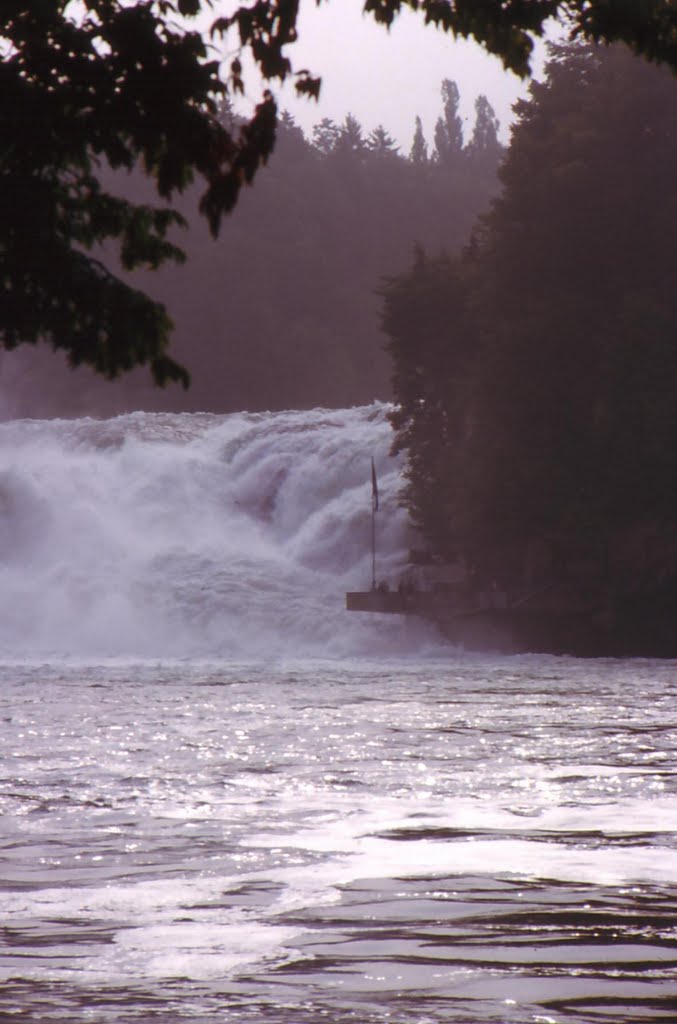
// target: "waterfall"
[[191, 534]]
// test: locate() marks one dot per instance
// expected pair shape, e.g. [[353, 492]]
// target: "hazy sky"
[[389, 77]]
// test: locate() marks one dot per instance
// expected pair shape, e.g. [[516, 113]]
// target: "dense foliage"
[[105, 84], [536, 376], [111, 83], [281, 310]]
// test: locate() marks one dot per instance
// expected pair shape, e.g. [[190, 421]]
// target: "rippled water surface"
[[394, 834], [467, 839]]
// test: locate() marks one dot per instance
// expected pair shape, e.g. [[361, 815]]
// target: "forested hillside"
[[282, 311], [536, 375]]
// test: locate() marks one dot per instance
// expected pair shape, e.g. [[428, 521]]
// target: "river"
[[224, 798]]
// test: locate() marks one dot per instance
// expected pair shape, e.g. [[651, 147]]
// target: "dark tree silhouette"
[[292, 278], [381, 143], [326, 135], [536, 377], [107, 82], [419, 148], [448, 127], [484, 140]]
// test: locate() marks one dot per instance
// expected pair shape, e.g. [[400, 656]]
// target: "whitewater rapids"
[[226, 800], [177, 535]]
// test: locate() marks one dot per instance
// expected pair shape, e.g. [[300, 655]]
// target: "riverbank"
[[548, 622]]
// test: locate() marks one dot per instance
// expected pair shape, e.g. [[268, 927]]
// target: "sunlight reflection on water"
[[468, 840]]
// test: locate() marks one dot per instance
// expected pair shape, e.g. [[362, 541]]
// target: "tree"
[[380, 143], [293, 281], [484, 141], [563, 425], [449, 127], [419, 148], [578, 249], [433, 344], [120, 86], [287, 125], [109, 82], [350, 142], [325, 136]]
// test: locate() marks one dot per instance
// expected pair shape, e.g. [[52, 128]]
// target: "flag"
[[374, 487]]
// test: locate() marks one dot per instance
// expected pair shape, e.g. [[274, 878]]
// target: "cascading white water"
[[205, 819], [157, 535]]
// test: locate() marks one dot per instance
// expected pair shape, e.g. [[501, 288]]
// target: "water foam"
[[173, 535]]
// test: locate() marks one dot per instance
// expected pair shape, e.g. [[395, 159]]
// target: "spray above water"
[[172, 535]]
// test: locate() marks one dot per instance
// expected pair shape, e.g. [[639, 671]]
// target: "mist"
[[282, 310]]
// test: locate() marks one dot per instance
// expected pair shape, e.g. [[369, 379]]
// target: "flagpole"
[[374, 509], [373, 547]]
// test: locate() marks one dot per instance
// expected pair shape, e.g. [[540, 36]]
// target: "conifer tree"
[[325, 136], [419, 147], [350, 139], [381, 143], [562, 426], [484, 141], [128, 83], [449, 127]]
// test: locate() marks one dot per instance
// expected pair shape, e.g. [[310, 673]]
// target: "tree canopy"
[[292, 278], [536, 376], [107, 82], [121, 86]]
